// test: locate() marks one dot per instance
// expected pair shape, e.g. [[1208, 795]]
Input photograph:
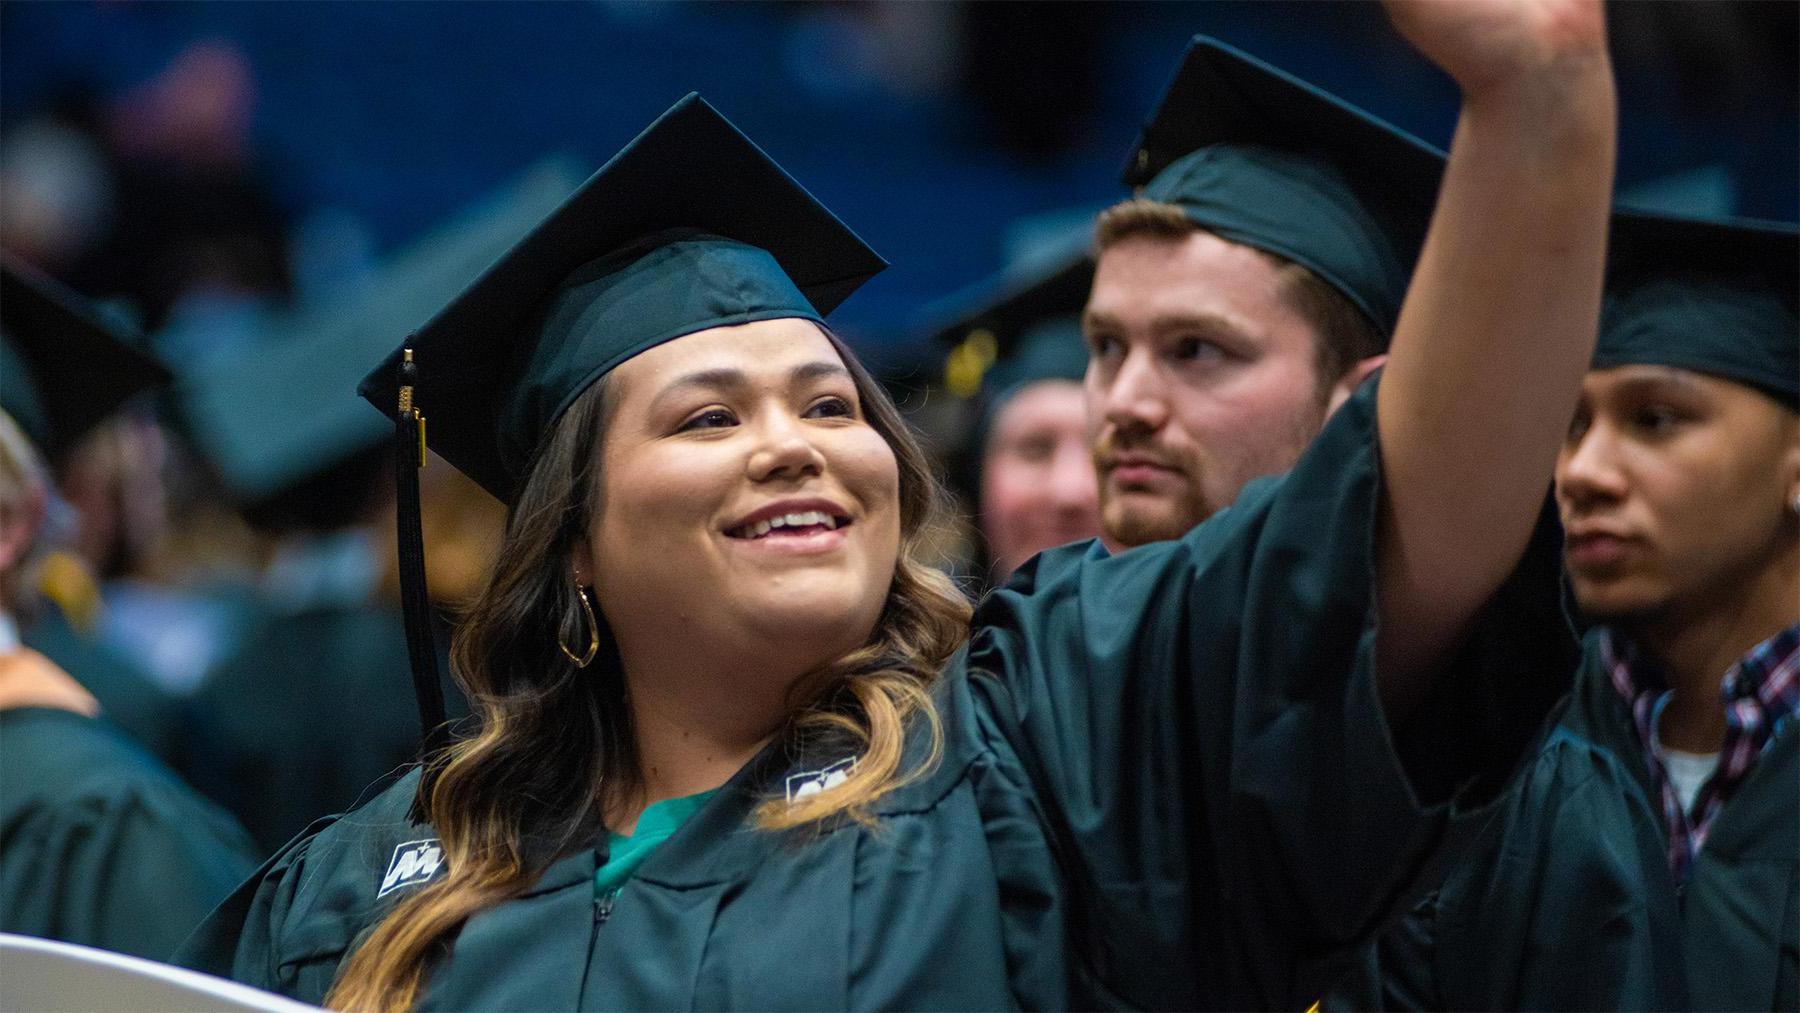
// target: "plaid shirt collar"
[[1761, 693]]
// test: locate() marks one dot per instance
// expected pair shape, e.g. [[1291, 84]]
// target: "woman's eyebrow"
[[731, 378], [818, 370], [723, 378]]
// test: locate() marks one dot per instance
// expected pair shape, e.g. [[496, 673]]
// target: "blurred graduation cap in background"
[[64, 367], [1008, 332], [305, 460], [1716, 296], [1014, 364], [1015, 328], [1262, 158], [281, 417]]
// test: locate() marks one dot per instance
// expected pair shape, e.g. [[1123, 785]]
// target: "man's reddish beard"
[[1140, 527]]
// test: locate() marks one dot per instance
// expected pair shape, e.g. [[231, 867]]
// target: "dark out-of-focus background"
[[200, 158]]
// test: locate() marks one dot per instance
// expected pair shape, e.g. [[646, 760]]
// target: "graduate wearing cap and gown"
[[63, 371], [1016, 353], [100, 844], [1164, 778], [1633, 870], [1245, 290], [326, 655]]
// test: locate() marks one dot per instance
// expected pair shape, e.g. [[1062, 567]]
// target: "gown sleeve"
[[242, 938], [103, 846], [1200, 720], [288, 927]]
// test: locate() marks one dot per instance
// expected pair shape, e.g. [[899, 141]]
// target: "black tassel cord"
[[415, 601]]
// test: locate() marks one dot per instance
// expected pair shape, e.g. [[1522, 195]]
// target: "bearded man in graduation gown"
[[1245, 291], [1651, 859]]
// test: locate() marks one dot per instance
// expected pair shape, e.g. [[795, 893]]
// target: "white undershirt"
[[1687, 772], [9, 634]]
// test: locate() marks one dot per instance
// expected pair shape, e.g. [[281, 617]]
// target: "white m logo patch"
[[811, 782], [413, 862]]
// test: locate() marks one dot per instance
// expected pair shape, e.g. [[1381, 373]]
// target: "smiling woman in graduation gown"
[[1165, 778]]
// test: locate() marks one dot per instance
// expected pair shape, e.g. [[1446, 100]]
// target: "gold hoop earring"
[[593, 648]]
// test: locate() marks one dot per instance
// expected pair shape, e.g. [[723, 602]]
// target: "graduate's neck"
[[697, 722], [1697, 644]]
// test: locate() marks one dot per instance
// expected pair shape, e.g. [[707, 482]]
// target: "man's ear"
[[1353, 378]]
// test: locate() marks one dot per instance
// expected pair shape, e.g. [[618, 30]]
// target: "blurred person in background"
[[321, 653], [324, 658], [57, 184], [63, 373], [1018, 358], [1651, 858], [113, 480], [1246, 291], [151, 196], [195, 232], [102, 844]]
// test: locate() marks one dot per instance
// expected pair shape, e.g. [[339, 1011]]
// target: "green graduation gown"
[[100, 844], [1567, 901], [128, 697], [1166, 782]]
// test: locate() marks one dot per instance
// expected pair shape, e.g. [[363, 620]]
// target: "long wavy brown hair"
[[554, 745]]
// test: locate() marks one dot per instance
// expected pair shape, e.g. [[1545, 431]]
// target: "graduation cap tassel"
[[415, 602]]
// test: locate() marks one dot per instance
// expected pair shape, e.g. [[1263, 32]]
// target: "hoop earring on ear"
[[586, 658]]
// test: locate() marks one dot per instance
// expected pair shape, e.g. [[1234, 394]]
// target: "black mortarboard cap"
[[63, 368], [1260, 157], [691, 226], [274, 415], [1720, 297]]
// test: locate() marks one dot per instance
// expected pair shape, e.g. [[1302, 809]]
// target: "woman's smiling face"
[[745, 498]]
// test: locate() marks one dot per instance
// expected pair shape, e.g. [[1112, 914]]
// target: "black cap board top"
[[1715, 296], [690, 226], [275, 414], [63, 369], [1262, 158]]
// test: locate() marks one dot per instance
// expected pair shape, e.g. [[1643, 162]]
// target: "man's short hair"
[[1347, 334]]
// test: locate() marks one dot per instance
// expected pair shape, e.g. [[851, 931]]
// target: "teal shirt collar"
[[657, 823]]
